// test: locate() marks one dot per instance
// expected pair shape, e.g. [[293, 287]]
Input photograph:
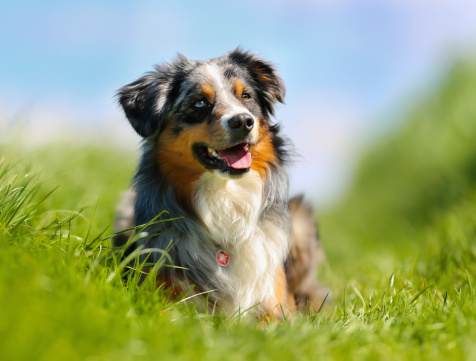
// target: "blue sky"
[[345, 63], [85, 49]]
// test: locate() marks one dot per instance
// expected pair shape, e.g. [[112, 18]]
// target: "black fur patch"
[[139, 100]]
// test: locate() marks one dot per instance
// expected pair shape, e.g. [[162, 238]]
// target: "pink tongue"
[[237, 157]]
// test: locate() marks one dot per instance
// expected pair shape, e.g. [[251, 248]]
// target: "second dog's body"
[[212, 158]]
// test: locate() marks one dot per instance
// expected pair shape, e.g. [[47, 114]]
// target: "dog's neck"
[[229, 208]]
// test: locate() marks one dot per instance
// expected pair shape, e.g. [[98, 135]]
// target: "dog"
[[214, 160]]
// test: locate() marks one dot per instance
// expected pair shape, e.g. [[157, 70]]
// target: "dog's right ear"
[[140, 101]]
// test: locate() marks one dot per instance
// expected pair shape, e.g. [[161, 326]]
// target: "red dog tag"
[[223, 258]]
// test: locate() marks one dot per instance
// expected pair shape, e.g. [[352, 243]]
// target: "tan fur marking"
[[239, 88], [285, 302], [264, 78], [170, 286], [177, 161], [263, 153], [281, 287], [179, 164], [209, 92]]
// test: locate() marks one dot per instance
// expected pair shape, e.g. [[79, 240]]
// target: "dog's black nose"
[[242, 123]]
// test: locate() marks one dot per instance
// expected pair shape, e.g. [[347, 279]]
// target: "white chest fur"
[[231, 211]]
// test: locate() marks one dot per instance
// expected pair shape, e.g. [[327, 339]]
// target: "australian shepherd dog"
[[213, 159]]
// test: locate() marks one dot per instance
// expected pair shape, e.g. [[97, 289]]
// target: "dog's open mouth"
[[235, 160]]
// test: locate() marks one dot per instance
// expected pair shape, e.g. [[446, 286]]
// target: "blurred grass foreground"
[[401, 256]]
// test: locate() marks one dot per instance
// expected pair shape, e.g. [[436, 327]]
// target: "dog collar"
[[223, 258]]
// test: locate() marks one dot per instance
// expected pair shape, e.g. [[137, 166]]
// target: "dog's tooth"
[[213, 152]]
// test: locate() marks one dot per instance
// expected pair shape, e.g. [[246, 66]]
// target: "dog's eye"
[[201, 104], [245, 96]]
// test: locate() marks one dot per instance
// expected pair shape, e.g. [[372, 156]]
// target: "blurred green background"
[[412, 179]]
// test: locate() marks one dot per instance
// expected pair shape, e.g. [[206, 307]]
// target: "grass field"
[[401, 257]]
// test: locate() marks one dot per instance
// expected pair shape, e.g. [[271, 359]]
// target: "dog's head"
[[207, 115]]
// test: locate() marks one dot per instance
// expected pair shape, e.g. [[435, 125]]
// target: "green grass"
[[401, 257]]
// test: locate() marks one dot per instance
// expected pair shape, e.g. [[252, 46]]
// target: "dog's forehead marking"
[[215, 73], [225, 93]]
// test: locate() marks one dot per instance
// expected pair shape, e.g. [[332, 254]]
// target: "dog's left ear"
[[140, 101], [269, 84]]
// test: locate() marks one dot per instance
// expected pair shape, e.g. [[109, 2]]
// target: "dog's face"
[[206, 115]]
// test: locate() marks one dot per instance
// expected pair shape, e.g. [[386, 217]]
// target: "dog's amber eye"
[[245, 96], [200, 104]]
